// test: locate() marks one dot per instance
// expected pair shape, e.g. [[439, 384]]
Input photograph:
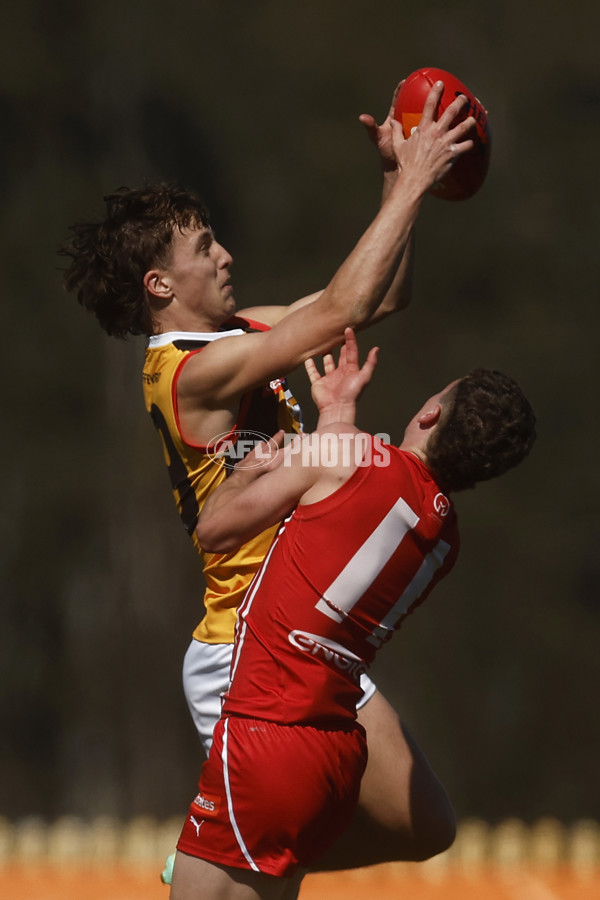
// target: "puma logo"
[[196, 825]]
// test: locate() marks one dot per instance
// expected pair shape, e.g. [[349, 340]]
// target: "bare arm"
[[247, 503], [254, 497], [231, 367], [400, 292], [271, 315], [268, 483]]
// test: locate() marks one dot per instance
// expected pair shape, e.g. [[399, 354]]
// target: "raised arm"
[[229, 368], [399, 293]]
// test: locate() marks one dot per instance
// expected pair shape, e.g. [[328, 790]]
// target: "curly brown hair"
[[487, 427], [109, 259]]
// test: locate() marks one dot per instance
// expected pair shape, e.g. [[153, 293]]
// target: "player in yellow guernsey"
[[155, 267], [196, 469]]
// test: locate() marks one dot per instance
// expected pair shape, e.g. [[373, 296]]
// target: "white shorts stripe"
[[234, 824]]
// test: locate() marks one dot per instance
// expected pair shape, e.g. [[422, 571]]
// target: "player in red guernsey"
[[370, 532], [342, 575]]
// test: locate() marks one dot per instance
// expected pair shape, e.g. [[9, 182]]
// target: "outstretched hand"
[[436, 143], [431, 150], [381, 135], [434, 146], [337, 390]]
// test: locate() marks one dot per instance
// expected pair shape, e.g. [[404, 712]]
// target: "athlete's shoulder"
[[419, 483]]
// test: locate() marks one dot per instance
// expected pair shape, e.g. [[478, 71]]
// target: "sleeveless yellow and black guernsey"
[[194, 472]]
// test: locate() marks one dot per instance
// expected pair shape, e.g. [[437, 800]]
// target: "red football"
[[468, 173]]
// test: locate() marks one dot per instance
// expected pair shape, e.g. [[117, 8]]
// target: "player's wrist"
[[341, 411], [389, 176], [407, 193]]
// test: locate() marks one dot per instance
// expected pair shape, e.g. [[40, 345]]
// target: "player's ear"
[[430, 417], [157, 285]]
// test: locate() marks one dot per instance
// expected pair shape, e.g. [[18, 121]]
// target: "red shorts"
[[274, 797]]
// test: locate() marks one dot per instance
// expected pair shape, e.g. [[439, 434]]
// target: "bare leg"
[[404, 812], [198, 879]]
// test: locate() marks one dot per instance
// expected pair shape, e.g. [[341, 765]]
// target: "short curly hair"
[[487, 427], [110, 258]]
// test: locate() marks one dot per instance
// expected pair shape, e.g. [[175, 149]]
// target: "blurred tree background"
[[256, 105]]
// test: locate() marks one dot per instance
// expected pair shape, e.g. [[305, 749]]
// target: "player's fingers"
[[369, 365], [328, 363], [272, 446], [350, 348], [460, 131], [261, 452], [460, 149], [370, 126], [399, 142], [266, 455], [394, 98], [432, 102], [311, 370], [452, 111], [398, 138]]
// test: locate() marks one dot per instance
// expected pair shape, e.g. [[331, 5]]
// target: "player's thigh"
[[385, 788], [198, 879], [403, 811], [399, 790]]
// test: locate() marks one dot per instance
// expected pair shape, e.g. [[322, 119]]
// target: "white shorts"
[[206, 678]]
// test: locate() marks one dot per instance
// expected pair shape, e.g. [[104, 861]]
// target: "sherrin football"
[[468, 172]]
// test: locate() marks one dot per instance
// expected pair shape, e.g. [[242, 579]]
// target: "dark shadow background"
[[256, 105]]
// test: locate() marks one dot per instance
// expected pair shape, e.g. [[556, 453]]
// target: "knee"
[[433, 832]]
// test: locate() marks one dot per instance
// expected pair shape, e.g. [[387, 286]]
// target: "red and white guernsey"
[[339, 579]]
